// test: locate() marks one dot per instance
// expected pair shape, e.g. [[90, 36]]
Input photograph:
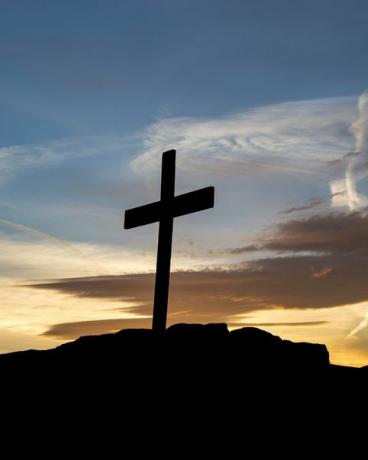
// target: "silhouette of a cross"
[[164, 211]]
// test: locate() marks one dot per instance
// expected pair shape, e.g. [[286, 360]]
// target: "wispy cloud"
[[37, 233], [345, 191], [44, 258], [312, 203], [293, 138], [287, 323], [16, 158]]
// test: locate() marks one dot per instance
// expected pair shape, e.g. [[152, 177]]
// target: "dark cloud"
[[311, 204], [202, 296], [78, 328], [205, 296], [344, 160], [302, 323], [330, 234], [245, 249], [72, 330]]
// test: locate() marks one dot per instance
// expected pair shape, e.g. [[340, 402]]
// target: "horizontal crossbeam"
[[178, 206]]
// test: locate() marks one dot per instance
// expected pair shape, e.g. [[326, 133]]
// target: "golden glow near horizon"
[[27, 312], [332, 327]]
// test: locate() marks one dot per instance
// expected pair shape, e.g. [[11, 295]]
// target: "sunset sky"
[[265, 100]]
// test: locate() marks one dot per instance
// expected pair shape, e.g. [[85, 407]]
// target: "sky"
[[265, 100]]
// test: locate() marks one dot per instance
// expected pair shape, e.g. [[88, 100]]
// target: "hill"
[[190, 377], [182, 350]]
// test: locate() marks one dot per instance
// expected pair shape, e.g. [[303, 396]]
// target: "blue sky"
[[262, 99], [83, 67]]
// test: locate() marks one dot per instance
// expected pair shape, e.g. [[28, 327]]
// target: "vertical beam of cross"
[[164, 212], [164, 243]]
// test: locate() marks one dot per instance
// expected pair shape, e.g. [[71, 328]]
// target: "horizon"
[[266, 101]]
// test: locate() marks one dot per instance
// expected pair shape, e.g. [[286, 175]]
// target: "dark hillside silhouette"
[[187, 353]]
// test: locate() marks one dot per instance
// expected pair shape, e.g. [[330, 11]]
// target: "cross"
[[164, 211]]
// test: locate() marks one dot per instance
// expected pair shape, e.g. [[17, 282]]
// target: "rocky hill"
[[183, 349]]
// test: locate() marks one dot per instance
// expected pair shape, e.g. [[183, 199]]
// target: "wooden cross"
[[164, 211]]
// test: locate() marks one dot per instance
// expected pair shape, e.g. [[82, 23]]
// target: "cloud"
[[332, 233], [312, 203], [356, 163], [37, 233], [243, 250], [202, 296], [41, 256], [322, 273], [294, 138], [221, 295], [72, 330], [76, 329], [16, 158], [278, 324], [338, 240]]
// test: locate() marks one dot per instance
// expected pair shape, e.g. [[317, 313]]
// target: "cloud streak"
[[76, 329], [40, 234], [332, 233], [290, 138], [222, 295], [72, 330], [356, 163], [312, 203], [16, 158]]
